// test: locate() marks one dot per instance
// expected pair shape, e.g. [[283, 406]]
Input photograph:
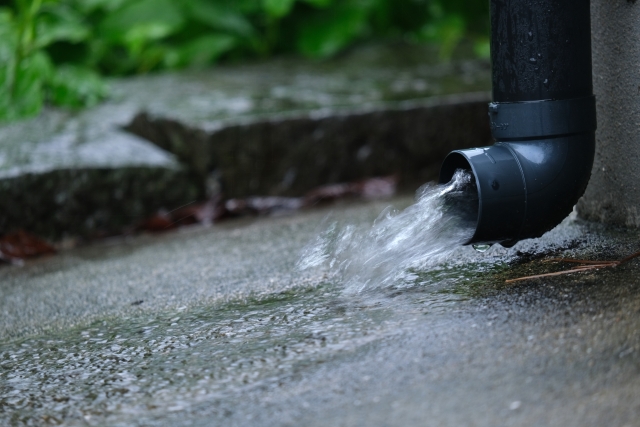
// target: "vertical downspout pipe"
[[543, 119]]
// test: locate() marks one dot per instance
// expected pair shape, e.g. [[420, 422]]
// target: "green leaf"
[[331, 31], [27, 96], [6, 19], [446, 32], [73, 86], [219, 16], [8, 42], [482, 48], [139, 35], [319, 3], [60, 24], [206, 49], [88, 6], [246, 7], [8, 36], [278, 8], [5, 94], [142, 21]]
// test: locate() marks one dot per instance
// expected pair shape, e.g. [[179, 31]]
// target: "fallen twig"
[[586, 266]]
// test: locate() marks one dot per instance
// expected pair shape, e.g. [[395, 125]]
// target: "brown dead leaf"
[[217, 209], [263, 205], [22, 245], [159, 222], [371, 188]]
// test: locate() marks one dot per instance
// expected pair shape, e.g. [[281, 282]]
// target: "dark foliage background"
[[57, 51]]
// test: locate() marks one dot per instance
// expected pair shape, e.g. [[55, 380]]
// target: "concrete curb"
[[289, 154]]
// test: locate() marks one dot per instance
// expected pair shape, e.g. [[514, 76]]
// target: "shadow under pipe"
[[543, 118]]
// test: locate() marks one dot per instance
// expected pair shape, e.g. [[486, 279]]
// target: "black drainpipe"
[[542, 116]]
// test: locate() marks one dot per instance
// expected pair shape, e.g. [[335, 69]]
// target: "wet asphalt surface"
[[229, 332]]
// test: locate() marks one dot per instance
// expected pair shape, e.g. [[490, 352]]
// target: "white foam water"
[[399, 243]]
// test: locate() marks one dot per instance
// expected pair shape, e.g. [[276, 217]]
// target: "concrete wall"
[[613, 195]]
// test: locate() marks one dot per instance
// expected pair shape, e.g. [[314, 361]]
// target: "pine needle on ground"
[[585, 265]]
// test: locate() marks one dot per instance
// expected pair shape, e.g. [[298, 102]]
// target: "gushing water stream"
[[399, 243]]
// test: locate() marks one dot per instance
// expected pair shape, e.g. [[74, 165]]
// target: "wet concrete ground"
[[230, 333]]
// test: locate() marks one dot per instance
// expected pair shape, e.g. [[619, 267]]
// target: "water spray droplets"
[[482, 248], [400, 244]]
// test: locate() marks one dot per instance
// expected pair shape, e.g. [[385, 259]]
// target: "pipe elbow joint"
[[543, 118], [529, 181]]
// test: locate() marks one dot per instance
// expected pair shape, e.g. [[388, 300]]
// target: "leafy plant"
[[56, 50], [28, 77]]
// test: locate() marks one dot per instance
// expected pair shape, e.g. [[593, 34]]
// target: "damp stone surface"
[[283, 127], [279, 128], [64, 177]]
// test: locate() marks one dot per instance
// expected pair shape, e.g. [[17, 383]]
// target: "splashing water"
[[399, 244]]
